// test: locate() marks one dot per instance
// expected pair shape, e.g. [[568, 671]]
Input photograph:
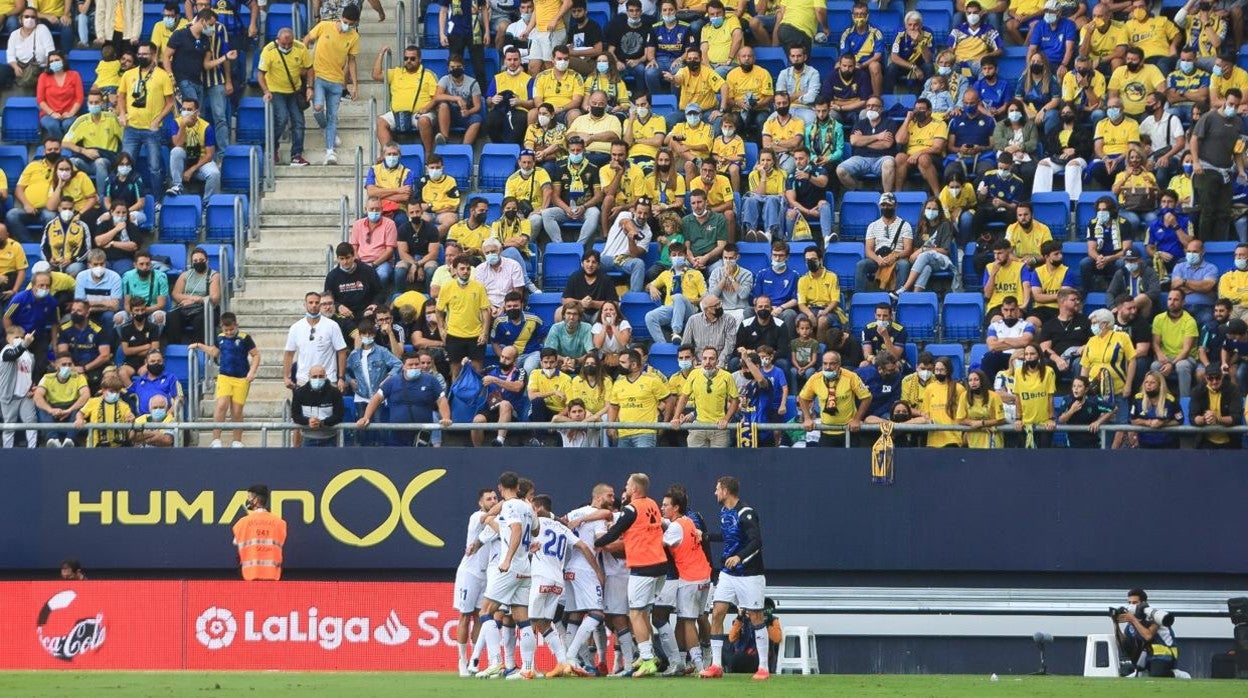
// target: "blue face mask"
[[1187, 168], [317, 383], [576, 158], [684, 364], [778, 266], [159, 414], [411, 373], [1193, 258], [95, 109], [1113, 113], [491, 258], [374, 216], [1102, 217], [392, 161], [313, 316], [717, 22], [830, 375]]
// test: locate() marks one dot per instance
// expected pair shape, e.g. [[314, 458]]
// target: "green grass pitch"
[[360, 685]]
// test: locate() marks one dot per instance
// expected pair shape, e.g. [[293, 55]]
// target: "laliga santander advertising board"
[[227, 625]]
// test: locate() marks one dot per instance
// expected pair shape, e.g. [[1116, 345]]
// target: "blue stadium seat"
[[963, 317], [249, 129], [435, 60], [498, 161], [12, 162], [219, 217], [634, 305], [918, 312], [842, 259], [1012, 67], [977, 356], [84, 61], [1096, 300], [970, 280], [33, 251], [755, 256], [1072, 254], [663, 104], [862, 309], [236, 168], [1052, 209], [771, 58], [858, 209], [180, 217], [431, 40], [457, 162], [600, 12], [21, 121], [751, 156], [493, 198], [544, 306], [1219, 254], [939, 23], [911, 354], [152, 14], [561, 260], [1085, 209], [954, 352], [176, 254], [910, 206], [279, 15], [896, 106], [663, 357], [175, 359], [413, 158], [149, 210]]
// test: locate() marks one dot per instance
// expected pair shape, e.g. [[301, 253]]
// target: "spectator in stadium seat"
[[116, 235], [458, 100], [844, 401], [62, 284], [547, 139], [1109, 237], [498, 273], [576, 196], [762, 327], [611, 334], [910, 59], [282, 73], [355, 287], [1104, 40], [570, 338], [145, 99], [59, 94], [679, 288], [1055, 37], [846, 90], [971, 126], [31, 194], [1135, 178], [1216, 403], [316, 406], [146, 432], [152, 379], [1006, 335], [519, 330], [36, 312], [801, 82], [1027, 235], [125, 186], [984, 412], [445, 274], [1213, 334], [195, 286], [1034, 383], [1064, 336], [887, 246], [1081, 408], [1069, 147], [805, 191], [763, 204], [504, 385], [100, 287], [105, 408], [913, 384], [627, 244], [1154, 407], [418, 244], [882, 376], [924, 139], [935, 238], [1155, 35], [1233, 284], [731, 283], [873, 142], [390, 335], [13, 265], [509, 97], [195, 140], [589, 287], [425, 334], [58, 397], [392, 183], [977, 39], [441, 195], [1040, 91], [374, 239], [710, 328], [819, 293], [89, 344], [548, 388], [1115, 135], [995, 92], [1188, 85], [884, 335], [1174, 340], [779, 283], [1137, 279], [959, 201]]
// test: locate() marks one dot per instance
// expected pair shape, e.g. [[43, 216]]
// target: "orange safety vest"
[[691, 562], [643, 541], [260, 536]]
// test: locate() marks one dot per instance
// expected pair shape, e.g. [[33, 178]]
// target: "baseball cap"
[[40, 267], [888, 198], [527, 151], [1132, 253], [693, 109]]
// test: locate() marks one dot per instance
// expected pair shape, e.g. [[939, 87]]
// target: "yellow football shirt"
[[331, 50], [837, 401], [1116, 138], [709, 395], [547, 87], [412, 91], [638, 400], [924, 137], [155, 84], [463, 306]]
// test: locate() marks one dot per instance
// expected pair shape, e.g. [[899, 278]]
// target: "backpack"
[[467, 395]]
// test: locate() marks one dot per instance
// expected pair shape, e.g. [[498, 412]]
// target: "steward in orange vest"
[[259, 537]]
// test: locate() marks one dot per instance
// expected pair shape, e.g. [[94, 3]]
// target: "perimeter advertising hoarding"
[[367, 626], [374, 509]]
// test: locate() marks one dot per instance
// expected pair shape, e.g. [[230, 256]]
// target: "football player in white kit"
[[554, 548], [470, 580], [589, 522], [507, 583]]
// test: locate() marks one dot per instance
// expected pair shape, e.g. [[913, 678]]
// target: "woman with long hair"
[[592, 386], [1154, 407], [1081, 408], [934, 241], [1035, 383], [611, 335], [1016, 134], [607, 78], [1040, 91], [944, 402], [984, 412]]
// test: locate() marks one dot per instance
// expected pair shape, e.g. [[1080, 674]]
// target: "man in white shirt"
[[500, 275], [888, 242], [1164, 131], [314, 341], [627, 242]]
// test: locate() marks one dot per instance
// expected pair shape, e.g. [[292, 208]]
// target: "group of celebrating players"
[[626, 567]]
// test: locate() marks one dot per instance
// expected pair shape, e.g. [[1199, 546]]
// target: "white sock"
[[763, 643], [555, 642], [717, 650], [646, 648], [528, 645], [628, 648], [462, 648], [509, 645], [569, 634], [667, 638], [695, 656], [581, 639], [602, 650], [492, 633]]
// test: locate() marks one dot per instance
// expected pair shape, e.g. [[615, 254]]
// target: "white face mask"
[[67, 216], [643, 112], [561, 65], [543, 120]]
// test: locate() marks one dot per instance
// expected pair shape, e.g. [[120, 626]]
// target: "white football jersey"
[[588, 533], [477, 561], [555, 545], [516, 511]]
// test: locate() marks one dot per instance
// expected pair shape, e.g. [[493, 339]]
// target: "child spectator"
[[936, 91], [16, 377], [106, 408]]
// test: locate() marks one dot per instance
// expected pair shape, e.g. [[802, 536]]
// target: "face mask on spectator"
[[678, 263], [1241, 264], [392, 161], [830, 375], [159, 414], [170, 22], [925, 375], [684, 364], [931, 214], [515, 314], [1113, 113], [64, 372], [1193, 258], [411, 373], [367, 340], [1102, 217], [492, 258], [67, 216], [200, 267], [1228, 111], [561, 65], [576, 158], [972, 19], [549, 372], [1132, 267], [41, 293], [123, 170], [777, 265], [944, 70], [111, 397], [156, 369], [317, 383], [870, 114], [374, 216], [77, 318]]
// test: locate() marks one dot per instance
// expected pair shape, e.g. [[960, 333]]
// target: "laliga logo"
[[215, 628], [400, 508], [86, 635]]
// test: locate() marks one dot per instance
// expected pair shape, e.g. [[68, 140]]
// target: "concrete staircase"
[[298, 222]]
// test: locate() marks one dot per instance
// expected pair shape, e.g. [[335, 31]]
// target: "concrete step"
[[286, 270], [312, 252], [284, 303], [299, 207], [345, 172], [322, 189], [281, 228]]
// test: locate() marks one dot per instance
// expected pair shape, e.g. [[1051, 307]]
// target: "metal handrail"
[[359, 175], [345, 219], [286, 418], [400, 25], [192, 388], [415, 28], [386, 64], [372, 129], [270, 147], [240, 246], [256, 188], [329, 258], [296, 20]]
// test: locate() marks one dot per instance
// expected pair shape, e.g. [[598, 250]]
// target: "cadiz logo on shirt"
[[171, 508]]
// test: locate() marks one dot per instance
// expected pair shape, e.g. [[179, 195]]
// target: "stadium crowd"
[[686, 176]]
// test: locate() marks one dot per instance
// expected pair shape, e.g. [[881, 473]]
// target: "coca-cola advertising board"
[[345, 626]]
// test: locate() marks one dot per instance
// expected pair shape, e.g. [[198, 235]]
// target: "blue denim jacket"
[[381, 365]]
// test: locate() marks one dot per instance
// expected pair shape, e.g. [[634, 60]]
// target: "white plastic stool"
[[1090, 666], [805, 657]]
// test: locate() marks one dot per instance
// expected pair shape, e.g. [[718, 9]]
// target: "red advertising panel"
[[91, 625], [320, 626]]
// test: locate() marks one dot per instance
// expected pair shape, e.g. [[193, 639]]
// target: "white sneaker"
[[67, 443], [337, 140], [216, 443], [52, 443], [331, 158], [490, 671], [237, 444], [674, 669]]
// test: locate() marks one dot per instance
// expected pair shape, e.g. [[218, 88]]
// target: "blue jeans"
[[101, 167], [654, 76], [134, 139], [868, 267], [635, 268], [215, 110], [208, 173], [309, 442], [762, 212], [69, 433], [56, 128], [325, 98], [673, 315], [63, 33], [927, 263], [1087, 269], [16, 220], [191, 90], [637, 441], [285, 112]]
